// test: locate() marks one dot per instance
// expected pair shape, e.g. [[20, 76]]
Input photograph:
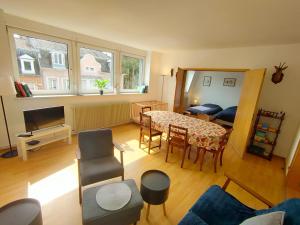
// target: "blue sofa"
[[217, 207]]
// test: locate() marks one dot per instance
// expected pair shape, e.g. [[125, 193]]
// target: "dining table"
[[201, 133]]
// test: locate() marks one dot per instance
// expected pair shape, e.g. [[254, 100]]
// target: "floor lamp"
[[7, 89]]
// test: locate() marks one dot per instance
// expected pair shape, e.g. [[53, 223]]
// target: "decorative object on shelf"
[[101, 84], [229, 82], [266, 130], [206, 81], [22, 90], [278, 75], [7, 89]]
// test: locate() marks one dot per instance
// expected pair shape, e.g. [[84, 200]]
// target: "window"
[[96, 64], [45, 64], [58, 59], [133, 75], [42, 61], [27, 64], [52, 83]]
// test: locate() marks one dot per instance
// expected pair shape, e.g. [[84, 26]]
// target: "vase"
[[101, 92]]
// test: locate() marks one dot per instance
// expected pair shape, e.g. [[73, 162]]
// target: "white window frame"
[[12, 31], [142, 78], [113, 68]]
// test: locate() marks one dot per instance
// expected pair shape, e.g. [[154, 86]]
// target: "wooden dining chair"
[[146, 109], [147, 130], [216, 153], [178, 137]]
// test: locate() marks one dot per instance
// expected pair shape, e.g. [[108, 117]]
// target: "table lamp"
[[7, 89]]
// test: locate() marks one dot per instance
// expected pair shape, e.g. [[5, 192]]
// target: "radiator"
[[92, 116]]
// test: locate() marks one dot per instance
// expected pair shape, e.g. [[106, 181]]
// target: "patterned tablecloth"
[[200, 133]]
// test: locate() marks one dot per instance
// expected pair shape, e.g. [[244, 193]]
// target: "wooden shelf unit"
[[258, 147], [45, 136]]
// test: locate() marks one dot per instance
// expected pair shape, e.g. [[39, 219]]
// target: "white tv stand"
[[44, 137]]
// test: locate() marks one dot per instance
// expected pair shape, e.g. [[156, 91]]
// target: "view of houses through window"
[[96, 64], [44, 66]]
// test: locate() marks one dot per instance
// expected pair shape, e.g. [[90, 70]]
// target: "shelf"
[[259, 151], [267, 130], [267, 143], [274, 115]]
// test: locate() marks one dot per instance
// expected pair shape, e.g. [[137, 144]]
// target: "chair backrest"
[[224, 139], [95, 144], [146, 109], [145, 121], [179, 132]]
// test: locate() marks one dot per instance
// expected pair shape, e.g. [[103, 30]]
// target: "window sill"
[[79, 95]]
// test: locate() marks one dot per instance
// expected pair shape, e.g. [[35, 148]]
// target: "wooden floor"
[[50, 175]]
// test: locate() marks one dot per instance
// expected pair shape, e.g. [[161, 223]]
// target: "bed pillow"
[[273, 218]]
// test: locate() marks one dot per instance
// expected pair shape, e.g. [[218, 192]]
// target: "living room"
[[70, 55]]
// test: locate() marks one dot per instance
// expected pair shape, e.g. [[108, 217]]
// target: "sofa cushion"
[[291, 208], [192, 219], [273, 218], [217, 207]]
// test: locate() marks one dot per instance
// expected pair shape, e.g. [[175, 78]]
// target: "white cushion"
[[273, 218]]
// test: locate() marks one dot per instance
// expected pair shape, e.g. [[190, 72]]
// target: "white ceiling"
[[170, 24]]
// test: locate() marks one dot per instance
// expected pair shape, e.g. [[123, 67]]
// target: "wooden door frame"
[[216, 69]]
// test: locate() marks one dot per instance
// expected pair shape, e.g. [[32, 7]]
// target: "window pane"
[[95, 65], [132, 73], [37, 65]]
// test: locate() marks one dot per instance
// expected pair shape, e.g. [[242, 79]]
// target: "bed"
[[226, 116], [209, 109]]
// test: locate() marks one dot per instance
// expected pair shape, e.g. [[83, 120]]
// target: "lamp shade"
[[7, 87]]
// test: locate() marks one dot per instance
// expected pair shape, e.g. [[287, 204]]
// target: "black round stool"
[[22, 212], [155, 186]]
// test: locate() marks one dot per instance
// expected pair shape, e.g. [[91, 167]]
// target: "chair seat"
[[153, 132], [99, 169]]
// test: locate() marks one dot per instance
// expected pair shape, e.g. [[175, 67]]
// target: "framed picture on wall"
[[230, 82], [206, 81]]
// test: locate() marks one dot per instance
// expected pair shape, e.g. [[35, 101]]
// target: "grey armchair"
[[96, 161]]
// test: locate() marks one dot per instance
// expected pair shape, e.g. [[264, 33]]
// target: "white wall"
[[216, 93], [283, 96], [15, 106]]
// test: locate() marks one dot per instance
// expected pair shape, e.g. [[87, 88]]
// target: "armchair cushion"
[[95, 144], [291, 208], [99, 169], [216, 206]]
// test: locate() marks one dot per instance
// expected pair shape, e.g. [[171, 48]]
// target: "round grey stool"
[[21, 212], [155, 186]]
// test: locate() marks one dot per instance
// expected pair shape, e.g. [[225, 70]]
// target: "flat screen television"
[[44, 118]]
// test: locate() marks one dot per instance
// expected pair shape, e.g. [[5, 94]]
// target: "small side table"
[[155, 186], [24, 211]]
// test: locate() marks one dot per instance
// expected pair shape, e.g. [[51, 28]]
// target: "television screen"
[[44, 118]]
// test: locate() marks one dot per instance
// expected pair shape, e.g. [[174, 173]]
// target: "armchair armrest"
[[119, 147], [249, 190], [78, 155]]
